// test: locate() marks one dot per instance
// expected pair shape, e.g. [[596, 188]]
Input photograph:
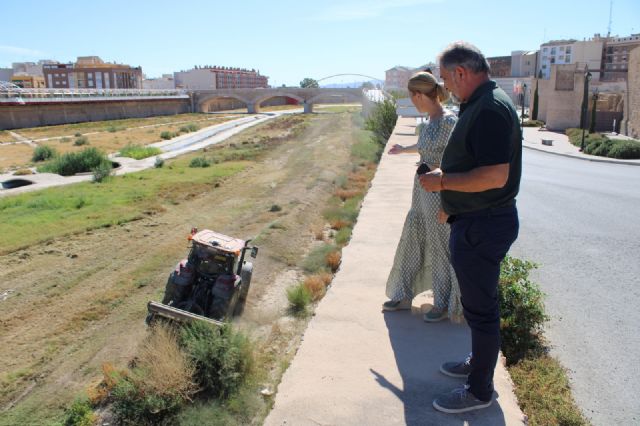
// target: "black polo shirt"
[[486, 134]]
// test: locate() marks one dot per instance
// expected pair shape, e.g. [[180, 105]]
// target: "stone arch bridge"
[[252, 98]]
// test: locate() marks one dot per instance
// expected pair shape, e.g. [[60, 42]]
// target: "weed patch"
[[138, 152], [299, 298], [76, 162], [43, 153]]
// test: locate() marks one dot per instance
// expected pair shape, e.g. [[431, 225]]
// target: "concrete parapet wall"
[[34, 115]]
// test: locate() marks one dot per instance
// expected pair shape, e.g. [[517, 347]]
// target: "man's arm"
[[475, 180]]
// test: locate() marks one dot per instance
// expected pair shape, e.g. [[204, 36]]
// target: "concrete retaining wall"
[[34, 115]]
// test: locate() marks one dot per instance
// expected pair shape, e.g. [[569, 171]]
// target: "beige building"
[[398, 76], [524, 63], [28, 81], [195, 79], [631, 122], [166, 82]]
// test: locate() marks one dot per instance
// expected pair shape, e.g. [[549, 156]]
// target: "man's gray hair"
[[465, 55]]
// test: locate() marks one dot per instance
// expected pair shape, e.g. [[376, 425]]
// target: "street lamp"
[[583, 116], [524, 97]]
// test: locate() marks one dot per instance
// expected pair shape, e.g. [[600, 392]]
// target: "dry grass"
[[99, 392], [318, 233], [316, 286], [338, 224], [15, 155], [166, 368], [345, 194], [333, 260]]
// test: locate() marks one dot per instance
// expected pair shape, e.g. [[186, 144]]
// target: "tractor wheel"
[[245, 276]]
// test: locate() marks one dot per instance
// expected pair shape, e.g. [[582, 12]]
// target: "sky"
[[290, 40]]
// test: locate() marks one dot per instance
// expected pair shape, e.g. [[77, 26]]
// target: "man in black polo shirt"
[[478, 182]]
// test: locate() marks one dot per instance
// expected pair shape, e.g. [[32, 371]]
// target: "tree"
[[534, 112], [592, 123], [367, 85], [309, 83], [382, 120]]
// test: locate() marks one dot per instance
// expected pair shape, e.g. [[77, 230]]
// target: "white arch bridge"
[[252, 98]]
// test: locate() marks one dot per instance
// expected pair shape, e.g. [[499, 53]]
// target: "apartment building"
[[398, 76], [524, 63], [91, 72], [218, 77], [500, 66], [586, 52], [616, 56], [28, 81]]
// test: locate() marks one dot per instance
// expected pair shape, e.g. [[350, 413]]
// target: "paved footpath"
[[358, 366]]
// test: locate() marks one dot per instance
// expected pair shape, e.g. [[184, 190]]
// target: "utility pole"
[[610, 14]]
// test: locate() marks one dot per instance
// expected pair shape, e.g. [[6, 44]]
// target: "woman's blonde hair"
[[425, 83]]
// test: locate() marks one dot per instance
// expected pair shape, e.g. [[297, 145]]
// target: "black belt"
[[488, 212]]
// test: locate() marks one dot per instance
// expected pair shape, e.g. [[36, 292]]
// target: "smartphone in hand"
[[422, 169]]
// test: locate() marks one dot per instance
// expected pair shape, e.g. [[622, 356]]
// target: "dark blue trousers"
[[478, 243]]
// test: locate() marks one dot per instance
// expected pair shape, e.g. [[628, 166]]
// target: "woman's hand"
[[442, 217], [396, 149]]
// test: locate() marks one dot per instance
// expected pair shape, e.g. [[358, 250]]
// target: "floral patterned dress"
[[422, 258]]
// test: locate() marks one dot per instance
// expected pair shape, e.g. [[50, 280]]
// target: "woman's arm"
[[399, 149]]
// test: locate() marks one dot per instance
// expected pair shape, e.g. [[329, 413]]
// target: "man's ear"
[[460, 72]]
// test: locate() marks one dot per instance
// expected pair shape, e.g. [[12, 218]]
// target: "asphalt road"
[[580, 221]]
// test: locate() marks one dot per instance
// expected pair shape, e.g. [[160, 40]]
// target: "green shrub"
[[522, 313], [316, 260], [343, 235], [624, 149], [382, 120], [102, 171], [184, 129], [167, 135], [275, 208], [192, 127], [133, 406], [82, 140], [77, 135], [43, 153], [299, 299], [533, 123], [158, 163], [199, 162], [223, 358], [79, 414], [65, 140], [139, 152], [112, 129], [366, 148], [76, 162]]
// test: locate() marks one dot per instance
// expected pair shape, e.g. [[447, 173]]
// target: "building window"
[[553, 50], [545, 49], [568, 50], [568, 59], [562, 48]]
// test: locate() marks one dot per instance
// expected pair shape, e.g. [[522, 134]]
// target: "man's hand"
[[442, 217], [431, 181]]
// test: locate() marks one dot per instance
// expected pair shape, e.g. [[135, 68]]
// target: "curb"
[[595, 160]]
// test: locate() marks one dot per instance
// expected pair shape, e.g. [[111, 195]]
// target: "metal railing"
[[17, 94]]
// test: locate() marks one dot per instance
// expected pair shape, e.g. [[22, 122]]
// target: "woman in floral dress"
[[422, 258]]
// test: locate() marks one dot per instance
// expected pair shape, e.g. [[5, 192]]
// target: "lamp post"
[[524, 97], [585, 96]]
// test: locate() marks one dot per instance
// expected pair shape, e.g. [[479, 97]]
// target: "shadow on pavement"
[[419, 350]]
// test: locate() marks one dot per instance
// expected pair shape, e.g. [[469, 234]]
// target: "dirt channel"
[[74, 303]]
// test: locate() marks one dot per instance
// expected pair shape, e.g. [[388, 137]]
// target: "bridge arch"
[[208, 101], [350, 95]]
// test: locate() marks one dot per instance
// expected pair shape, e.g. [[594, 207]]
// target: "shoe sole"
[[442, 318], [385, 309], [450, 374], [460, 410]]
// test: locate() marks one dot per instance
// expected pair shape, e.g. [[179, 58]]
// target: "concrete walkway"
[[358, 366], [533, 137]]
